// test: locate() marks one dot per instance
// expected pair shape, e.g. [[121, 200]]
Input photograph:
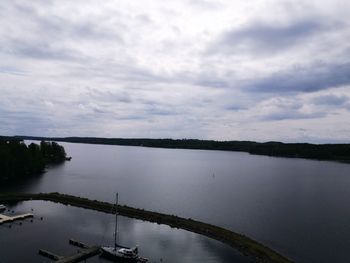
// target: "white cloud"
[[142, 69]]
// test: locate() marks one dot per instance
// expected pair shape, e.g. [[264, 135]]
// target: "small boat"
[[119, 253], [2, 208]]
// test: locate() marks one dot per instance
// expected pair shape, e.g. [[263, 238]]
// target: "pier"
[[81, 255], [84, 253], [49, 255], [9, 219]]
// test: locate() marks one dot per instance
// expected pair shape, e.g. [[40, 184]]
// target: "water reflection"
[[33, 181], [298, 207], [61, 223]]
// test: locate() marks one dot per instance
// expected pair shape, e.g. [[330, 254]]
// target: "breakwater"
[[244, 244]]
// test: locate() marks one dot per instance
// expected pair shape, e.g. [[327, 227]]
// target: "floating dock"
[[84, 253], [49, 255], [9, 219]]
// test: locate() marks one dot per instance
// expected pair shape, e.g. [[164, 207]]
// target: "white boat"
[[119, 253], [2, 208]]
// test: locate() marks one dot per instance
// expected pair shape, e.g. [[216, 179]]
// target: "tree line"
[[18, 160], [335, 152]]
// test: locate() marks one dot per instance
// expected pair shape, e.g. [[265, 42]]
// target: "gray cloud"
[[92, 68], [57, 27], [331, 100], [44, 35], [12, 71], [44, 51], [235, 107], [315, 78], [16, 122], [109, 96], [292, 115], [288, 109], [211, 81], [114, 72], [161, 110], [262, 38]]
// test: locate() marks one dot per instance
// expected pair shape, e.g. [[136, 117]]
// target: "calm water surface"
[[298, 207], [60, 223]]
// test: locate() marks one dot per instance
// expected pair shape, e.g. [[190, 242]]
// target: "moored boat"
[[119, 253]]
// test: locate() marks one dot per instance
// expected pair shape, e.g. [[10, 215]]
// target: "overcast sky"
[[227, 70]]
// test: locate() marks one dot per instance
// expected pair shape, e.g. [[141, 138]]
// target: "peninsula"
[[244, 244]]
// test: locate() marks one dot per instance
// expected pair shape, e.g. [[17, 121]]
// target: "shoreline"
[[321, 152], [243, 244]]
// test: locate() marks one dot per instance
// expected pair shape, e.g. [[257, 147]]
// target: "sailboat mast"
[[116, 222]]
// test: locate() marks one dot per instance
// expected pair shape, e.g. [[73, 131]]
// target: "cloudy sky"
[[227, 70]]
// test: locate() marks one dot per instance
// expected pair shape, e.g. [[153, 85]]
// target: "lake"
[[21, 243], [297, 207]]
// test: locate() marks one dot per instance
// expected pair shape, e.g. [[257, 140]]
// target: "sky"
[[261, 70]]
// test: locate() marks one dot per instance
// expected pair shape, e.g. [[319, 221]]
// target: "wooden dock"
[[84, 253], [49, 255], [9, 219]]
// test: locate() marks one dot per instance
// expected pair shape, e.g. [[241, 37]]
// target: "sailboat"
[[119, 253]]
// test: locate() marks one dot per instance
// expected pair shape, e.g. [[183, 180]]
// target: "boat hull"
[[116, 257]]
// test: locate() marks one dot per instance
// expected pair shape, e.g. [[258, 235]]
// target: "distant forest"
[[335, 152], [17, 160]]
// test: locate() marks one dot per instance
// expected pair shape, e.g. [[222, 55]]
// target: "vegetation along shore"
[[244, 244], [18, 160], [332, 152]]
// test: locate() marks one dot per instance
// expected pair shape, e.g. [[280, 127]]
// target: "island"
[[19, 160]]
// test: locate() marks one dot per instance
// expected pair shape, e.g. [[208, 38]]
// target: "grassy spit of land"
[[245, 245]]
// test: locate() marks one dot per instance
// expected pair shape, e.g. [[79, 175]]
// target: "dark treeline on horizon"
[[17, 160], [336, 152]]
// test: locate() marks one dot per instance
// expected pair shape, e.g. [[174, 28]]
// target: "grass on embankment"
[[245, 245]]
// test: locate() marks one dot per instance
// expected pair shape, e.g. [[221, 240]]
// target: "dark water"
[[21, 243], [298, 207]]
